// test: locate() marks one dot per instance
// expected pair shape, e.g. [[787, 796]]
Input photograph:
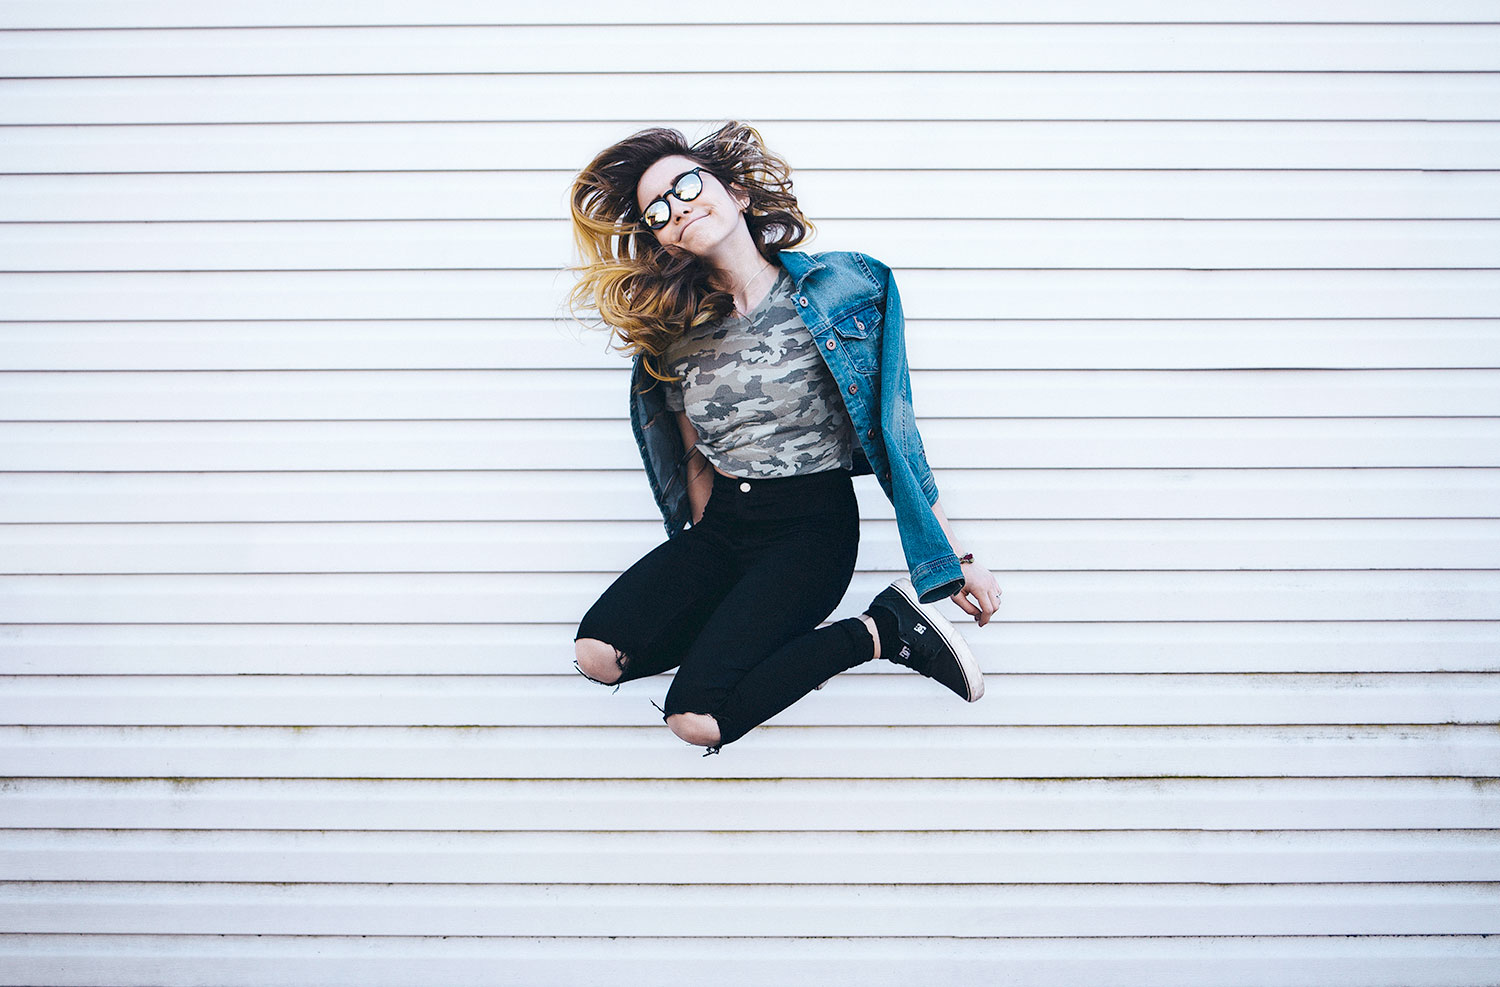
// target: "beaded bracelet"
[[966, 559]]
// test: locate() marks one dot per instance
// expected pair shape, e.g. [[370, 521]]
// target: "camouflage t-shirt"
[[759, 393]]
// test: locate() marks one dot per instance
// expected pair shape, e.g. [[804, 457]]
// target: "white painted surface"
[[305, 481]]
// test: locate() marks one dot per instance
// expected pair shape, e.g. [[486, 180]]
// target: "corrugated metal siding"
[[305, 483]]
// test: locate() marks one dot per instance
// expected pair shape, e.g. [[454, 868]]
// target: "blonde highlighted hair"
[[644, 295]]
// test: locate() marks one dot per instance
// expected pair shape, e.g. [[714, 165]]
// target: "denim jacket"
[[850, 304]]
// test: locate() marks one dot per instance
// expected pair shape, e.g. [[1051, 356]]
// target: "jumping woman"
[[763, 379]]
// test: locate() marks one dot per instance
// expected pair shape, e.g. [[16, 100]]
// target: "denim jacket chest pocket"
[[858, 333]]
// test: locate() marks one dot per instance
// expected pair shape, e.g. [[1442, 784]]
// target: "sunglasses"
[[685, 187]]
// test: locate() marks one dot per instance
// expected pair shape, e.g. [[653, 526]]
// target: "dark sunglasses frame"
[[674, 194]]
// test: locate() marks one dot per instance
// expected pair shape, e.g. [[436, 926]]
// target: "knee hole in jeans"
[[599, 661], [700, 729]]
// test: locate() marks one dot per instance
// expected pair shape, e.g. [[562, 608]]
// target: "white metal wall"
[[305, 483]]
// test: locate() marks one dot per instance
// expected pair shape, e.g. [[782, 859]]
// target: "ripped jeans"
[[733, 602]]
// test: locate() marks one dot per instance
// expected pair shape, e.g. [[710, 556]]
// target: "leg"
[[644, 622], [760, 652]]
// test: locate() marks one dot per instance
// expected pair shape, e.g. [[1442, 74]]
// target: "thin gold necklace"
[[747, 284]]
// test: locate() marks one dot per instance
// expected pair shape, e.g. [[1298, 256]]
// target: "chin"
[[699, 233]]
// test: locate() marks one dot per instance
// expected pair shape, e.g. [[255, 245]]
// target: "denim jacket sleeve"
[[660, 445], [935, 571]]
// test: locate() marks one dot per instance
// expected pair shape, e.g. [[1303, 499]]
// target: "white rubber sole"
[[973, 677]]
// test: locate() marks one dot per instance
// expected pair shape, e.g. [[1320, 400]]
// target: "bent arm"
[[700, 475]]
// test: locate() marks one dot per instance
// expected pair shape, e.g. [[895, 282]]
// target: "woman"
[[764, 378]]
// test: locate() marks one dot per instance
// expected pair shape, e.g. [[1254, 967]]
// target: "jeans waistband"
[[809, 482], [772, 497]]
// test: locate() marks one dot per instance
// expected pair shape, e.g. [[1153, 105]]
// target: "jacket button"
[[802, 302], [832, 344], [859, 325], [887, 474], [869, 433], [853, 388], [744, 488]]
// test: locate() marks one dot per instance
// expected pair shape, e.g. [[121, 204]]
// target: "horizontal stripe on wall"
[[527, 546], [778, 858], [582, 395], [564, 700], [876, 96], [1017, 344], [642, 752], [971, 294], [766, 48], [393, 961], [1010, 647], [524, 395], [483, 598], [837, 192], [907, 244], [273, 13], [726, 805], [782, 910], [822, 144], [938, 294], [622, 495], [1177, 443]]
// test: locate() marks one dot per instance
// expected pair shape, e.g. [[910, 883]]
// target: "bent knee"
[[599, 661], [696, 728]]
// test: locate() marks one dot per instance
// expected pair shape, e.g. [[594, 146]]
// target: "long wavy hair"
[[644, 295]]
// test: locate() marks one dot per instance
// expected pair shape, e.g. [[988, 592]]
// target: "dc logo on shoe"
[[919, 628], [905, 652]]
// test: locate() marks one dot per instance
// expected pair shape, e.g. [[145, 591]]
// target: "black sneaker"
[[929, 644]]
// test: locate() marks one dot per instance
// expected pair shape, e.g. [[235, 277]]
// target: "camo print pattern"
[[759, 393]]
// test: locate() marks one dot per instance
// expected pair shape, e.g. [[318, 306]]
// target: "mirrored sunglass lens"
[[657, 214], [688, 186]]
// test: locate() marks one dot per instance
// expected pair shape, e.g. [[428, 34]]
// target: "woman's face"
[[699, 226]]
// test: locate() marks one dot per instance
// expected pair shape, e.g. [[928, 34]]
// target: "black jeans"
[[734, 602]]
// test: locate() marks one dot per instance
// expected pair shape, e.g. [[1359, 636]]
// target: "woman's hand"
[[980, 587]]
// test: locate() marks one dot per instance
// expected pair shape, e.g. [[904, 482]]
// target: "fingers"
[[978, 609], [964, 604], [989, 602], [986, 610], [986, 602]]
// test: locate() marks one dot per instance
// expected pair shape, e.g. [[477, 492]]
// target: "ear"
[[740, 196]]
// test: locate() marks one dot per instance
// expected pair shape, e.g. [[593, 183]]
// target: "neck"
[[744, 275], [736, 261]]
